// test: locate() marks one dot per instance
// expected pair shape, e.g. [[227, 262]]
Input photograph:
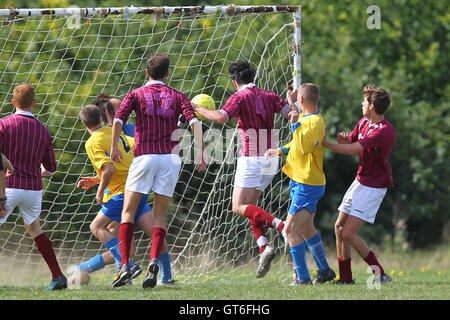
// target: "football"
[[205, 101]]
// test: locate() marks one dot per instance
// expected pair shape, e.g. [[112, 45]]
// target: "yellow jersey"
[[98, 147], [304, 163]]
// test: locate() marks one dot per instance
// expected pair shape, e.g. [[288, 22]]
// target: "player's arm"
[[7, 165], [107, 174], [343, 148], [116, 155], [126, 107], [48, 165], [200, 160], [217, 116]]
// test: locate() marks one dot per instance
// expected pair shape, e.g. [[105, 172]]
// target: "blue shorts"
[[304, 196], [113, 208]]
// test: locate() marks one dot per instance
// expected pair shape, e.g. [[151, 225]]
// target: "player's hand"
[[291, 97], [87, 182], [194, 106], [272, 153], [343, 138], [116, 155], [292, 116], [8, 166], [201, 160], [99, 197]]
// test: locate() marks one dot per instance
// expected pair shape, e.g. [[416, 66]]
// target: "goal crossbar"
[[229, 10]]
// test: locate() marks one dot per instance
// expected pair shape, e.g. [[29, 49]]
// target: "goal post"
[[70, 55]]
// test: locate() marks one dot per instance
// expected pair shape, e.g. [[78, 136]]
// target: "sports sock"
[[164, 266], [96, 263], [157, 242], [125, 237], [260, 235], [372, 260], [315, 246], [114, 247], [45, 247], [345, 270], [299, 257], [263, 218]]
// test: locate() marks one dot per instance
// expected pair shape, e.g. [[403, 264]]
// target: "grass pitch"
[[416, 276]]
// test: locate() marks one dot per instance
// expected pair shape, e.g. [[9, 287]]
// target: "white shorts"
[[255, 172], [362, 202], [28, 201], [154, 172]]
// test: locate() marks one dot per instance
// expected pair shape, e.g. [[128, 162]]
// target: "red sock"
[[126, 231], [261, 217], [157, 242], [45, 247], [371, 260], [345, 270], [258, 231]]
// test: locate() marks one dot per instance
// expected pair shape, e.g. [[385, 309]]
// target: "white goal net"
[[71, 55]]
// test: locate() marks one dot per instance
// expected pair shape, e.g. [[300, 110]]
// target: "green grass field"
[[420, 275]]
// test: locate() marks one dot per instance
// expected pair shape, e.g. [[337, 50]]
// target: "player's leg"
[[114, 228], [344, 250], [30, 208], [297, 246], [315, 246], [350, 235], [45, 248], [146, 223], [165, 179]]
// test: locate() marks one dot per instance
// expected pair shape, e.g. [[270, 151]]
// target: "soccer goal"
[[70, 55]]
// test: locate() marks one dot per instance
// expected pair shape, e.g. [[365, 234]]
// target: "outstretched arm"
[[213, 115], [343, 147]]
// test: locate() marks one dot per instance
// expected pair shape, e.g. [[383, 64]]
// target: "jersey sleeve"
[[49, 160], [377, 138], [129, 103], [232, 106], [186, 108], [279, 103]]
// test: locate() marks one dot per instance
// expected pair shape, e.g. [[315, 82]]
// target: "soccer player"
[[156, 165], [304, 166], [110, 194], [254, 110], [372, 138], [28, 144]]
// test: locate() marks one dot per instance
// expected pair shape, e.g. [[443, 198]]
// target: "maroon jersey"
[[157, 109], [377, 140], [254, 110], [27, 143]]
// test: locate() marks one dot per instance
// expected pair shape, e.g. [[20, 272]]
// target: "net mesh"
[[69, 66]]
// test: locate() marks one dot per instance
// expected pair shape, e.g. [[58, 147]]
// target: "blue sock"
[[299, 257], [164, 266], [114, 248], [96, 263], [315, 246]]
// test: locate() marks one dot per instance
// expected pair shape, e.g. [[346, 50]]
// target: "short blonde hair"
[[23, 95]]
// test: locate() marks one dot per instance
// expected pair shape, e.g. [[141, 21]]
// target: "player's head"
[[308, 93], [115, 103], [376, 97], [242, 73], [90, 116], [100, 101], [158, 66], [23, 96]]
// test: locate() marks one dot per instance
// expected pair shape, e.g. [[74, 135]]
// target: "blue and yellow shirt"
[[304, 163], [98, 147]]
